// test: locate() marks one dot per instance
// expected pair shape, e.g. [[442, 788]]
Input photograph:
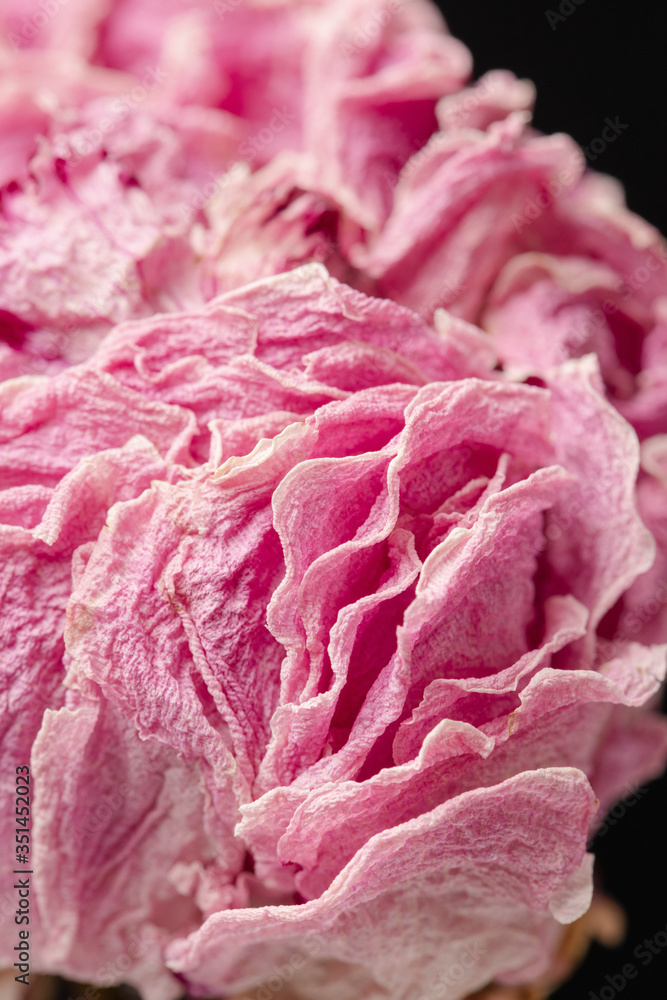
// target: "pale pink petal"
[[472, 870], [492, 98], [49, 424], [109, 829]]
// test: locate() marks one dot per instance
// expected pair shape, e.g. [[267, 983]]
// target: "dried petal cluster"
[[333, 468]]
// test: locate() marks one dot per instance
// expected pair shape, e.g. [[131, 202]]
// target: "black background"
[[607, 58]]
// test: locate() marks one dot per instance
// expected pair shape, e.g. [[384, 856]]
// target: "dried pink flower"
[[332, 509]]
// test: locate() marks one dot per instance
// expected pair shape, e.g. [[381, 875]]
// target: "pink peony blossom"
[[567, 271], [114, 160], [99, 196], [332, 658], [333, 479]]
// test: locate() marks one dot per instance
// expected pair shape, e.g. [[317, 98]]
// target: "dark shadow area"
[[602, 60]]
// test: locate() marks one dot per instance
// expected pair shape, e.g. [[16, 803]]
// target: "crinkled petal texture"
[[642, 614], [97, 207], [504, 227], [251, 361], [330, 624], [163, 395], [70, 448], [465, 879], [354, 81], [544, 309], [381, 619], [210, 144], [106, 166]]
